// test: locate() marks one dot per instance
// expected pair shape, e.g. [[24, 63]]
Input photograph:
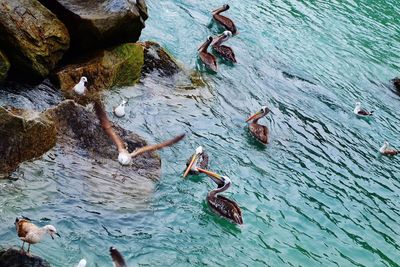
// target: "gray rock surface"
[[14, 258]]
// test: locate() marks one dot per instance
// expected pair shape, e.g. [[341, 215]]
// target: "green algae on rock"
[[32, 37], [117, 66], [24, 135], [4, 66]]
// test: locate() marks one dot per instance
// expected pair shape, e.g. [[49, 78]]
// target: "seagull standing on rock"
[[80, 87], [120, 110], [358, 110], [32, 234]]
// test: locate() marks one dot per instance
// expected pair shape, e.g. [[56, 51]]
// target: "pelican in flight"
[[224, 51], [208, 59], [259, 131], [226, 22], [32, 234], [358, 110], [198, 160], [80, 87], [219, 204], [387, 151]]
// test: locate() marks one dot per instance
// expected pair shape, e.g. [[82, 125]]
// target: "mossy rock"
[[4, 66], [117, 66], [24, 135]]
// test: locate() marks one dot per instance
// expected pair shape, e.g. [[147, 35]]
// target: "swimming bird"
[[119, 111], [227, 23], [219, 204], [80, 87], [32, 234], [358, 110], [82, 263], [224, 51], [386, 150], [117, 258], [259, 131], [208, 59], [198, 159]]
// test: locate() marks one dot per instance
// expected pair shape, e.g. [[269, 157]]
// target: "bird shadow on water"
[[210, 216]]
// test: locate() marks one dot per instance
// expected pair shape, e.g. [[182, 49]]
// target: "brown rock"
[[4, 66], [24, 135], [33, 38]]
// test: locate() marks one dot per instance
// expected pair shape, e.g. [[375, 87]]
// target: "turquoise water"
[[318, 195]]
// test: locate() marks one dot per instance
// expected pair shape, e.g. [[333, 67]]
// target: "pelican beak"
[[194, 158], [57, 234], [252, 117], [218, 9], [215, 177]]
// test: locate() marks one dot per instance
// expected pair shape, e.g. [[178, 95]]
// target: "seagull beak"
[[194, 158], [252, 117]]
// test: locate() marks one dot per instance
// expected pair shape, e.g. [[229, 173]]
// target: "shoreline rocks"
[[15, 258], [396, 83], [24, 135], [32, 37], [4, 66]]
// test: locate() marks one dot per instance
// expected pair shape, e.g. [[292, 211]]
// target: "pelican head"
[[51, 230], [227, 34], [226, 7], [83, 79], [124, 158], [384, 147], [259, 114], [220, 180], [221, 9], [193, 162]]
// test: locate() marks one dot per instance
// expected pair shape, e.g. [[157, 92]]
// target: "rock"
[[24, 135], [14, 258], [117, 66], [33, 38], [100, 23], [79, 129], [396, 83], [4, 66], [157, 58]]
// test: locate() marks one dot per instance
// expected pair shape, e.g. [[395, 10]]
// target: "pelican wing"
[[209, 60], [226, 208], [226, 52], [226, 22], [260, 132]]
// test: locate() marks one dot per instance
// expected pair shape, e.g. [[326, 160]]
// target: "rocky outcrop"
[[80, 129], [100, 23], [24, 135], [4, 66], [117, 66], [15, 258], [32, 37], [158, 59]]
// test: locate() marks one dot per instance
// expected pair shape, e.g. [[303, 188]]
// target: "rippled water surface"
[[318, 195]]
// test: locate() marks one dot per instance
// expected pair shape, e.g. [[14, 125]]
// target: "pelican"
[[208, 59], [224, 21], [386, 150], [259, 131], [80, 87], [358, 110], [119, 111], [117, 258], [219, 204], [198, 159], [224, 51], [32, 234], [82, 263]]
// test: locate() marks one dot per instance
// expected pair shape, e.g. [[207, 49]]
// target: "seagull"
[[120, 110], [386, 150], [82, 263], [360, 111], [80, 87], [117, 258], [32, 234]]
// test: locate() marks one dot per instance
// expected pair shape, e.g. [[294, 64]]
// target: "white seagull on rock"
[[80, 87], [120, 110], [32, 234], [358, 110]]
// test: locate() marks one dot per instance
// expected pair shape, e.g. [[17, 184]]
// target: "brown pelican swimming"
[[224, 51], [117, 258], [358, 110], [219, 204], [208, 59], [32, 234], [386, 150], [198, 160], [259, 131], [224, 21]]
